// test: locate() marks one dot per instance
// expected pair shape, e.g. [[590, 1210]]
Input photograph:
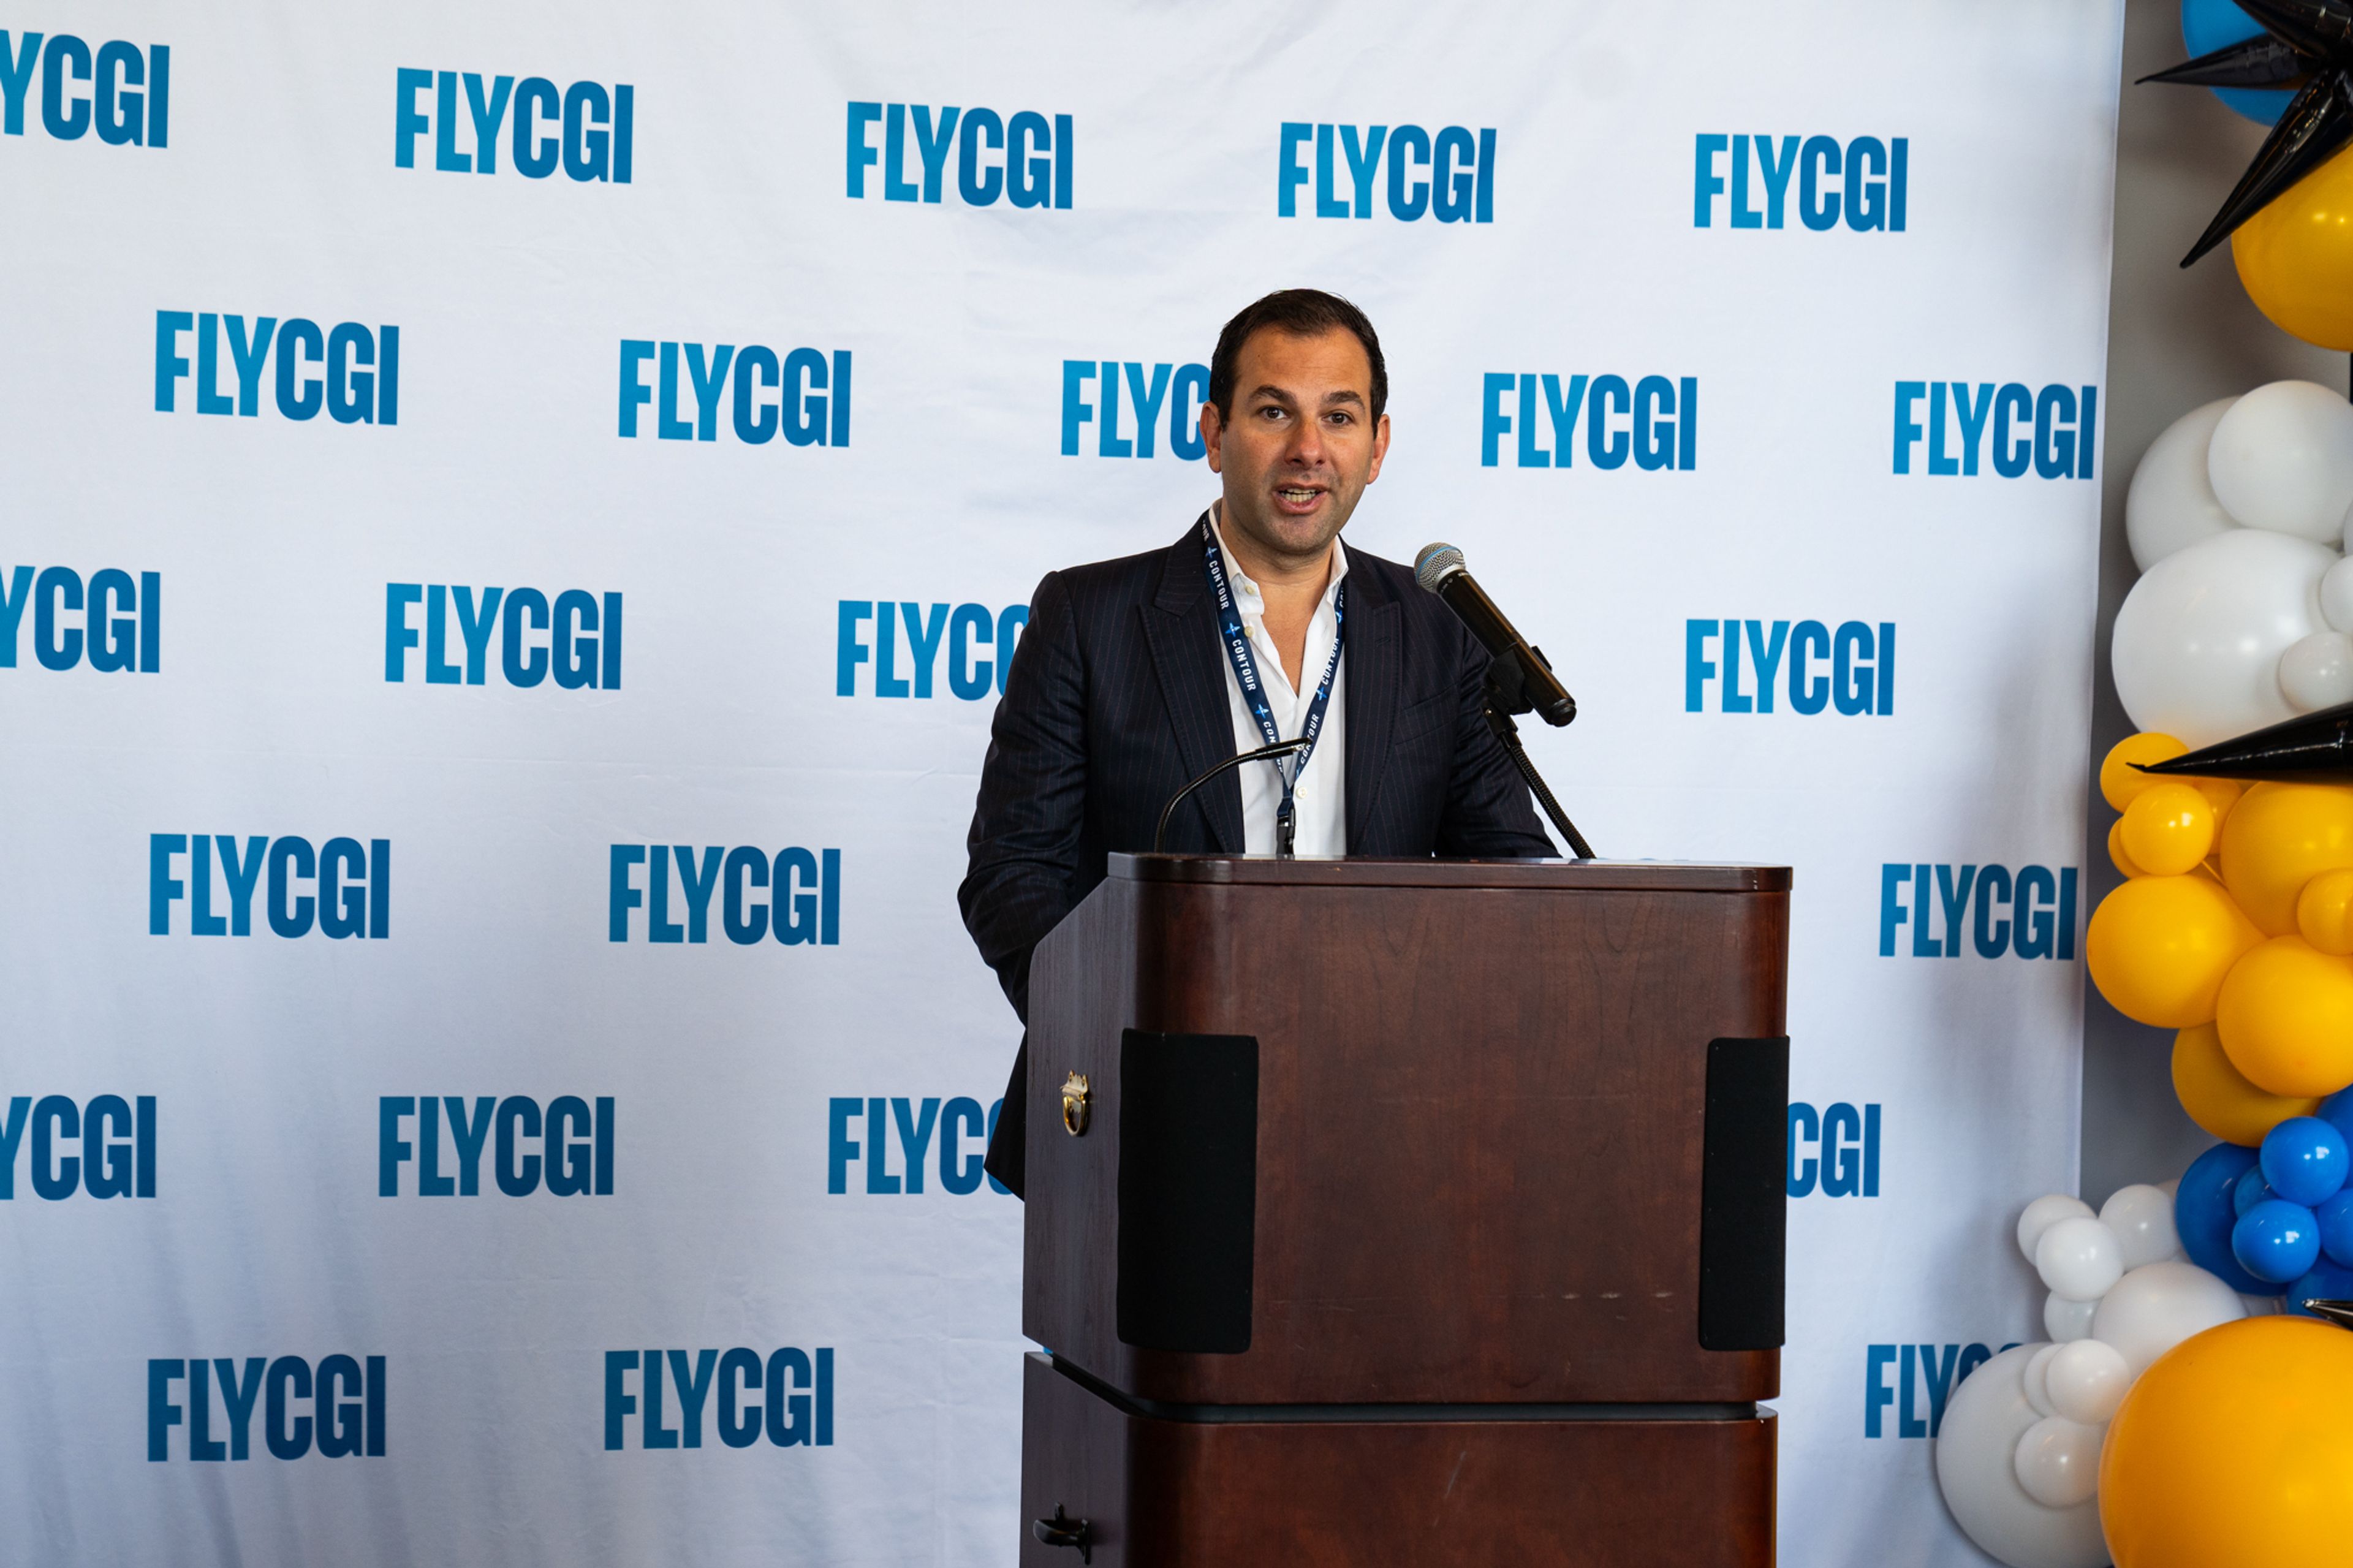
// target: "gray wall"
[[2176, 338]]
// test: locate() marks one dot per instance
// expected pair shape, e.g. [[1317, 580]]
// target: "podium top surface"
[[1580, 876]]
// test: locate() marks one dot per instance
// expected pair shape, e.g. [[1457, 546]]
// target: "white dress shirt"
[[1319, 804]]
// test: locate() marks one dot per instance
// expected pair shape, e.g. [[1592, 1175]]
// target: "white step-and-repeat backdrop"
[[513, 522]]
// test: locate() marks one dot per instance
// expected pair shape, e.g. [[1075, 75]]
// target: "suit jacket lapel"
[[1180, 629], [1373, 661]]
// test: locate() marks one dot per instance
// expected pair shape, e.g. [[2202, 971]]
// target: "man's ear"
[[1212, 433], [1380, 447]]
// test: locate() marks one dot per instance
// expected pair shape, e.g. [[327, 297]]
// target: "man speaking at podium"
[[1255, 626]]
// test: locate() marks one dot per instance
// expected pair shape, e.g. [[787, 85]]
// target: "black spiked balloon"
[[2312, 748], [2259, 61], [2306, 40]]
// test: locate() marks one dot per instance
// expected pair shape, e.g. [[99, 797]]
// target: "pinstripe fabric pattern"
[[1116, 698]]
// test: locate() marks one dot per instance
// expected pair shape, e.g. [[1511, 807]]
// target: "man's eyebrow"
[[1347, 395]]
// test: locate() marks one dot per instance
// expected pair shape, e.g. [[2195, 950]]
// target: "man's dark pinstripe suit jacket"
[[1117, 696]]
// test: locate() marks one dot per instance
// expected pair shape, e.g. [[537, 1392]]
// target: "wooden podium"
[[1406, 1212]]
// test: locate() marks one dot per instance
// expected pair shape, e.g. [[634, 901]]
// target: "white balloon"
[[2337, 591], [2142, 1217], [2058, 1461], [2316, 672], [2171, 504], [1976, 1468], [2282, 459], [2078, 1258], [2035, 1381], [2157, 1306], [2197, 644], [2064, 1320], [2042, 1213], [2086, 1379]]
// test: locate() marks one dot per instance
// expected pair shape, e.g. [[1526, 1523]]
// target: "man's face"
[[1302, 444]]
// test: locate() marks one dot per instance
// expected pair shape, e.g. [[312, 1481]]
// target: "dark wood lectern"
[[1406, 1212]]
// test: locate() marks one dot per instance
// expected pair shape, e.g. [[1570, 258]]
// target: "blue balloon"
[[2203, 1215], [2251, 1190], [2338, 1111], [2334, 1216], [2276, 1240], [2327, 1282], [2208, 26], [2304, 1160]]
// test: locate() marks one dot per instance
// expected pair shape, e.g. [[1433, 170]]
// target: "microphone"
[[1439, 569], [1264, 753]]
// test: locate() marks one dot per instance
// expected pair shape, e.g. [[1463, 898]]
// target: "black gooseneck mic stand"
[[1507, 695], [1263, 754]]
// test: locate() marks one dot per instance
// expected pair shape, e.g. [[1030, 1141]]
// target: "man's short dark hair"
[[1303, 312]]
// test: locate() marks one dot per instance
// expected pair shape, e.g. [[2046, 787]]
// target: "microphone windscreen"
[[1435, 564]]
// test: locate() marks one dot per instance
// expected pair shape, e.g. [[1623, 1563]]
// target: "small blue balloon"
[[2304, 1160], [2338, 1111], [2326, 1282], [2209, 24], [2276, 1240], [2335, 1218], [2251, 1190], [2203, 1215]]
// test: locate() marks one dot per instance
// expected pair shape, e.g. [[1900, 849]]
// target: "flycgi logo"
[[597, 127], [1833, 1151], [1450, 176], [123, 621], [928, 628], [2049, 432], [1925, 1376], [127, 101], [348, 370], [346, 1396], [117, 1138], [1865, 183], [583, 645], [1850, 672], [1984, 909], [798, 396], [786, 1396], [865, 1131], [354, 885], [1091, 394], [802, 906], [1022, 158], [1653, 420], [575, 1144]]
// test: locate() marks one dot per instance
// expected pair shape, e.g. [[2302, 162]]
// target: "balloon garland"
[[2189, 1409]]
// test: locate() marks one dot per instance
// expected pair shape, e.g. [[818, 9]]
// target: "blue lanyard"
[[1237, 649]]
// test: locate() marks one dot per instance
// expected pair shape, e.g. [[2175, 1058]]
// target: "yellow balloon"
[[2159, 946], [2233, 1451], [2167, 829], [2220, 794], [2278, 838], [2118, 781], [2295, 257], [2124, 862], [2285, 1016], [2324, 912], [2217, 1096]]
